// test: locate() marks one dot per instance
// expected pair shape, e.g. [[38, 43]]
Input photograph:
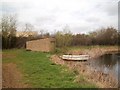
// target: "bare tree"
[[8, 24]]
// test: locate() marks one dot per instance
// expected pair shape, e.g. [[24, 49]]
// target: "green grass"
[[40, 72]]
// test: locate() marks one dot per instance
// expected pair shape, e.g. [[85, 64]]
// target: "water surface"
[[108, 64]]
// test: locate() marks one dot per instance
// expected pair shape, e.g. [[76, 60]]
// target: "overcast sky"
[[80, 15]]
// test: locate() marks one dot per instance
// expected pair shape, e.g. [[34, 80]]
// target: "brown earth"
[[10, 55], [100, 79], [11, 77]]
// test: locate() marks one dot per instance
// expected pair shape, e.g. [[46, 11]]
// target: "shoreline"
[[99, 78]]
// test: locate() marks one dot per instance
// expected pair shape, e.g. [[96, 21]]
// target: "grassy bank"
[[91, 47], [93, 51], [38, 71], [64, 50], [85, 68]]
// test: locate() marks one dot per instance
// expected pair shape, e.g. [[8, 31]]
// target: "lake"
[[108, 63]]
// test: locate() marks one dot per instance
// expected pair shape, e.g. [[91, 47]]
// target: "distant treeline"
[[104, 36]]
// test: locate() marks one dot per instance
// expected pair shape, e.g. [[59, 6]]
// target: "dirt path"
[[11, 76]]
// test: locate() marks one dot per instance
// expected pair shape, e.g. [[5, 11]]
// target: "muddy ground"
[[11, 77]]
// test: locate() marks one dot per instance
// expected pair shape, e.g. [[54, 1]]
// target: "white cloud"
[[80, 15]]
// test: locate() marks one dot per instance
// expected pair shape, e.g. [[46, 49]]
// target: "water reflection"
[[108, 63]]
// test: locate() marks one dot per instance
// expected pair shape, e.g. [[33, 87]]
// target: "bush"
[[61, 50]]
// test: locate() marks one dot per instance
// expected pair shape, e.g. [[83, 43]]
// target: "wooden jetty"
[[75, 57]]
